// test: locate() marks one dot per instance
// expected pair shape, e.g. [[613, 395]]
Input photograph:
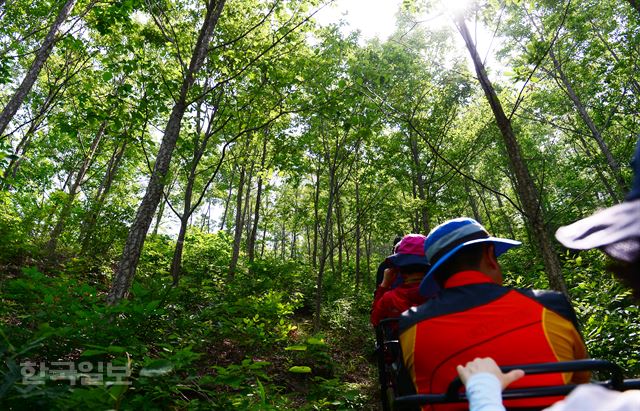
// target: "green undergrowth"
[[210, 343], [221, 343]]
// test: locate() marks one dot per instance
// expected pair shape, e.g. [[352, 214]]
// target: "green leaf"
[[153, 305], [296, 348], [157, 368], [117, 391], [107, 75], [315, 341], [300, 369]]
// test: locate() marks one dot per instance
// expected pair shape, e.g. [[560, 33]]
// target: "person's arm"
[[484, 383], [377, 309]]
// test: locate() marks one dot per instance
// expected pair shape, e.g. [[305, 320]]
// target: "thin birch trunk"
[[316, 218], [264, 230], [595, 133], [339, 224], [89, 224], [228, 200], [30, 78], [358, 233], [246, 212], [367, 250], [176, 261], [159, 215], [251, 241], [135, 241], [323, 253], [525, 188], [73, 190], [237, 237], [615, 196], [283, 238], [472, 202], [423, 212]]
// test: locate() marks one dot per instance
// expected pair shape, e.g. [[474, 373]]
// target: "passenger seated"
[[616, 231], [383, 267], [410, 262], [475, 316]]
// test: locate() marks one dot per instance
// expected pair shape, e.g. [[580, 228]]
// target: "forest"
[[195, 195]]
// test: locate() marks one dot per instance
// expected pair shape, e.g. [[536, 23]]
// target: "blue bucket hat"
[[614, 230], [449, 237]]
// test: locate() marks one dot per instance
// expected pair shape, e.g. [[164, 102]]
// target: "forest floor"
[[207, 344]]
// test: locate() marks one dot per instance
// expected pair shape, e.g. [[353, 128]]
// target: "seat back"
[[454, 393], [394, 377]]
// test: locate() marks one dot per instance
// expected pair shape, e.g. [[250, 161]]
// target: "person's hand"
[[390, 275], [488, 365]]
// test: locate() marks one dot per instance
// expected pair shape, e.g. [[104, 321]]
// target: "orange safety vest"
[[474, 317]]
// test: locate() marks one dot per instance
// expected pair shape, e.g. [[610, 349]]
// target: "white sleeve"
[[484, 392]]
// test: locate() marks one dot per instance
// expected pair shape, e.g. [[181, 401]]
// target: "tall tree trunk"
[[526, 190], [205, 218], [30, 78], [324, 253], [423, 212], [138, 231], [293, 250], [11, 170], [634, 83], [248, 215], [264, 230], [507, 220], [73, 190], [316, 218], [251, 241], [176, 261], [347, 249], [611, 162], [332, 249], [415, 213], [89, 223], [283, 240], [246, 212], [237, 236], [367, 250], [339, 224], [159, 216], [358, 233], [472, 203], [228, 200], [482, 195], [615, 196], [276, 243], [308, 238]]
